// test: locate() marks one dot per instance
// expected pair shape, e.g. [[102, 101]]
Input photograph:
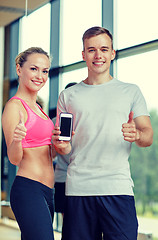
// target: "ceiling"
[[11, 10]]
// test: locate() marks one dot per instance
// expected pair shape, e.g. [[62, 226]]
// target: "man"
[[108, 116]]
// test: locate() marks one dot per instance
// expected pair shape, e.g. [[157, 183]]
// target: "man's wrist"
[[138, 136]]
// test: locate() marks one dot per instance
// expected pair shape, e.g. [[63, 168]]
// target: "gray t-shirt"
[[99, 160]]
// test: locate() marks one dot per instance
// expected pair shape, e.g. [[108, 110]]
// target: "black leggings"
[[33, 206]]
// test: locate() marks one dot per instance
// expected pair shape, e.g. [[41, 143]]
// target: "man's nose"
[[98, 54]]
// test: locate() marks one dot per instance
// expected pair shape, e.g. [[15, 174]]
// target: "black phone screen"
[[65, 126]]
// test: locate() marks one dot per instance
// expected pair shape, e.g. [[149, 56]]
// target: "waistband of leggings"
[[25, 180]]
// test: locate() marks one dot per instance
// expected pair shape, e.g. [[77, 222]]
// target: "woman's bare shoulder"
[[11, 109]]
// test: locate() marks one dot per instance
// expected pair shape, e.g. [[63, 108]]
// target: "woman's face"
[[34, 72]]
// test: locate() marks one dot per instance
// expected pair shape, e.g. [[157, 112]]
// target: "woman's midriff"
[[37, 165]]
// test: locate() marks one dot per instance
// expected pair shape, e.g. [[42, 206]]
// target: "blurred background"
[[57, 26]]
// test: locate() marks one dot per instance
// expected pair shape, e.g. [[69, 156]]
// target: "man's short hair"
[[94, 31]]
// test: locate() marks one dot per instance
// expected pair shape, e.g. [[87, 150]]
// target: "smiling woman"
[[30, 148], [36, 69]]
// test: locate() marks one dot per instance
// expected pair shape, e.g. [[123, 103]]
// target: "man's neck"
[[97, 80]]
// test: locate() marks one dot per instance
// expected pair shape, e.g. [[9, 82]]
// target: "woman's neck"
[[29, 98]]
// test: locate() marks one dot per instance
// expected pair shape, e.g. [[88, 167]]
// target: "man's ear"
[[83, 56], [113, 54]]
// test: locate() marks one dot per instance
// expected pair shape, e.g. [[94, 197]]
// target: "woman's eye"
[[45, 72], [33, 68]]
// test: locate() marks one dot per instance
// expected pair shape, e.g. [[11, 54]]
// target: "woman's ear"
[[18, 69]]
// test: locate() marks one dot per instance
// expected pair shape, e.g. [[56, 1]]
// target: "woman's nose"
[[39, 75]]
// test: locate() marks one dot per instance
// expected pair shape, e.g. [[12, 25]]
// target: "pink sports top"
[[39, 130]]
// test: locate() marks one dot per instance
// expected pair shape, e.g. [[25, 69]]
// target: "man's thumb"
[[130, 117], [21, 121]]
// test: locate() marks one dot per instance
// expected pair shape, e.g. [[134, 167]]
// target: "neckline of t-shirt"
[[99, 85]]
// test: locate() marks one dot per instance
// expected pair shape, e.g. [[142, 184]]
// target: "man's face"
[[98, 53]]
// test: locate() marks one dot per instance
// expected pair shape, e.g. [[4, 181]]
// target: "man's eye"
[[91, 50], [104, 50]]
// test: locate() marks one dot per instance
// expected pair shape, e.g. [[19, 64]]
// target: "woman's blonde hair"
[[22, 57]]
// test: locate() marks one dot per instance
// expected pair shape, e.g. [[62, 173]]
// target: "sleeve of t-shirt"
[[139, 106]]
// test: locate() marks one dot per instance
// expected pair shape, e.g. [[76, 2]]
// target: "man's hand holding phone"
[[66, 125], [62, 135]]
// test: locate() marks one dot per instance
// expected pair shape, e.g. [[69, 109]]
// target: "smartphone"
[[65, 124]]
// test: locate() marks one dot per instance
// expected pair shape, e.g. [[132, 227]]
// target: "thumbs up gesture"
[[20, 130], [129, 129], [130, 118]]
